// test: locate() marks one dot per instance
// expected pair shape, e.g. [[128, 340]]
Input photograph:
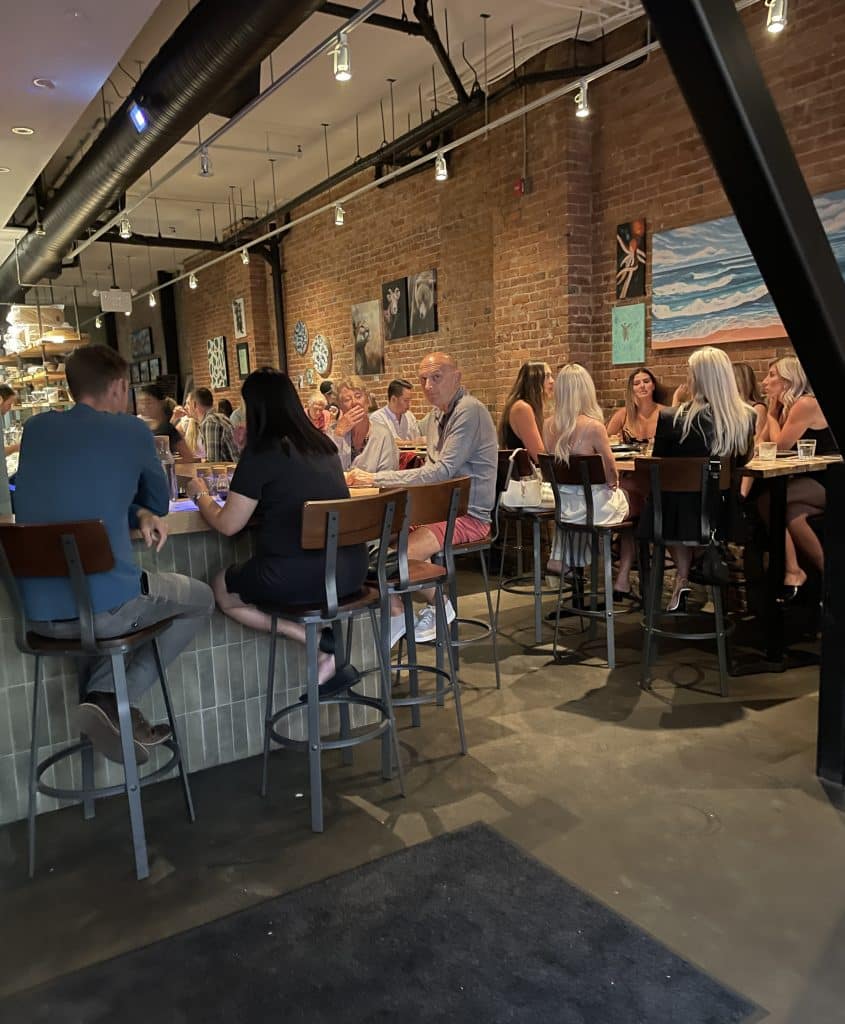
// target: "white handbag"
[[525, 492]]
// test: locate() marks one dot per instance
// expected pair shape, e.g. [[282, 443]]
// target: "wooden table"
[[778, 472]]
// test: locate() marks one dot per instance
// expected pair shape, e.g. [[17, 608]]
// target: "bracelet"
[[202, 494]]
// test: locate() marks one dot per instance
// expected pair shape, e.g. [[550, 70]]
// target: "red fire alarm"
[[519, 187]]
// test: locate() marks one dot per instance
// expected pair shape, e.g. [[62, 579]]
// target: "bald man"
[[460, 441]]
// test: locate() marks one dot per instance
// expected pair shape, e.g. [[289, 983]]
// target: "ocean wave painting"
[[706, 286]]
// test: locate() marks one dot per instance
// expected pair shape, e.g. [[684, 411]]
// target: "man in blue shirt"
[[96, 462]]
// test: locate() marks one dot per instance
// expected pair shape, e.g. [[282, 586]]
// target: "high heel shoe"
[[678, 600], [789, 592]]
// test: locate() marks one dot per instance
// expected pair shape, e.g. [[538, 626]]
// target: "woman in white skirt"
[[577, 428]]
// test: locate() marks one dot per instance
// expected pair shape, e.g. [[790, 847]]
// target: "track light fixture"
[[98, 322], [776, 19], [125, 227], [582, 103], [39, 229], [340, 59], [152, 300], [441, 171], [206, 170], [127, 312], [192, 282], [339, 214], [245, 257]]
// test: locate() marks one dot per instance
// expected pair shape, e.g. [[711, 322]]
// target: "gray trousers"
[[169, 594]]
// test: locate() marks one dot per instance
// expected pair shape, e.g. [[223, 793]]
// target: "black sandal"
[[346, 676]]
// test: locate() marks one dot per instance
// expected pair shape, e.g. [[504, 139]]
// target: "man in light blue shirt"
[[397, 415], [96, 462]]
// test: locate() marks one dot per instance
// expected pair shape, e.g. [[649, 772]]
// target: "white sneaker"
[[426, 628], [397, 629]]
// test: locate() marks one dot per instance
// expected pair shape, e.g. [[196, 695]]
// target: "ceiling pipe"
[[163, 242], [212, 48], [429, 31], [345, 12]]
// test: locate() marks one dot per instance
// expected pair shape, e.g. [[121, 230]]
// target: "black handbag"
[[714, 568]]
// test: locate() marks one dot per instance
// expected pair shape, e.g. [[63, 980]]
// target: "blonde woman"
[[577, 428], [637, 419], [317, 410], [716, 421], [361, 443], [521, 423], [795, 415]]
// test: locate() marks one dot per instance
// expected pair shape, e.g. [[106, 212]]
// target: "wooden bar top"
[[765, 469]]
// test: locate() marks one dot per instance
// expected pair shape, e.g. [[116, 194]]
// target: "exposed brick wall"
[[207, 312], [533, 276]]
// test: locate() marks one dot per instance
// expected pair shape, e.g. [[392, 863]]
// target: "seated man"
[[397, 415], [218, 438], [461, 441], [97, 462]]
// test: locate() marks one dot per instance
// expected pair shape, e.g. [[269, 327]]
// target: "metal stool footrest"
[[672, 634], [353, 700], [523, 586], [102, 791], [422, 698]]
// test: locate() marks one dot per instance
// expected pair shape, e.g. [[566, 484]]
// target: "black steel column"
[[715, 66], [274, 258], [110, 324], [167, 304]]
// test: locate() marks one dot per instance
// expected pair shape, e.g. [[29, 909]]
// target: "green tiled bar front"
[[217, 685]]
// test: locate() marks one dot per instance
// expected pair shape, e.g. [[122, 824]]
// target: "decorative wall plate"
[[309, 377], [300, 337], [321, 355]]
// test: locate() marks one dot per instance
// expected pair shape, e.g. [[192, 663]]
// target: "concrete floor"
[[697, 817]]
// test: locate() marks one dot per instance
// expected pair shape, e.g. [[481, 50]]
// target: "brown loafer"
[[105, 735]]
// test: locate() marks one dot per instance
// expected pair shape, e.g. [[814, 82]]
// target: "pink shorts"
[[468, 530]]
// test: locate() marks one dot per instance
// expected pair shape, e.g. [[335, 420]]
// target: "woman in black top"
[[715, 422], [521, 423], [287, 461], [152, 405]]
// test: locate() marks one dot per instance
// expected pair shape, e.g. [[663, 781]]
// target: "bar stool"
[[706, 478], [74, 551], [427, 503], [585, 471], [328, 526], [516, 464]]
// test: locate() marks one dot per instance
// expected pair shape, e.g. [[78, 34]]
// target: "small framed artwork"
[[145, 372], [628, 334], [394, 307], [239, 318], [135, 373], [141, 342], [242, 351], [218, 367], [155, 368], [422, 299], [630, 259]]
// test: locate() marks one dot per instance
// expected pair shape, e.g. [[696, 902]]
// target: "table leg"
[[538, 581], [773, 615]]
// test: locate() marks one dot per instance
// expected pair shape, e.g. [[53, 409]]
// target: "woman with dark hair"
[[286, 462], [636, 421], [152, 405], [521, 422], [224, 406]]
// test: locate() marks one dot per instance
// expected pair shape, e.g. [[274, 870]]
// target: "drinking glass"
[[768, 451], [807, 449]]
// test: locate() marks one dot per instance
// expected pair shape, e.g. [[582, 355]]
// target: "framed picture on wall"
[[135, 373], [242, 350], [145, 372], [141, 342], [155, 368], [239, 318], [218, 368]]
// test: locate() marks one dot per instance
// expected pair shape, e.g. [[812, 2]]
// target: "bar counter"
[[217, 685]]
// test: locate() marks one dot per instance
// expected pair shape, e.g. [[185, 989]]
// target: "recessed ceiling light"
[[5, 170], [20, 130], [43, 83]]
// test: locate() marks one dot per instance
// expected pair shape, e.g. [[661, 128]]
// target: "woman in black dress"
[[636, 421], [287, 461], [152, 405], [521, 423], [715, 422]]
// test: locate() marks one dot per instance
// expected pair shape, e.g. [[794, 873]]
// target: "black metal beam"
[[345, 12], [272, 253], [165, 242], [429, 30], [707, 47]]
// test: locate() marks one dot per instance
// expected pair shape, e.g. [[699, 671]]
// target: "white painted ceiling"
[[291, 118]]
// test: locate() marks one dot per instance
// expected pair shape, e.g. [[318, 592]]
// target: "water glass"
[[767, 451], [807, 449]]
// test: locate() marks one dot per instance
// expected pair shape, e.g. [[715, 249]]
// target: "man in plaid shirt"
[[215, 428]]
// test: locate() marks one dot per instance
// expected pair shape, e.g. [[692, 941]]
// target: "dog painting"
[[368, 338], [394, 308], [422, 297]]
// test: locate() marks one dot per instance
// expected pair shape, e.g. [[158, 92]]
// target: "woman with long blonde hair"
[[795, 415], [716, 421], [577, 428], [521, 422]]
